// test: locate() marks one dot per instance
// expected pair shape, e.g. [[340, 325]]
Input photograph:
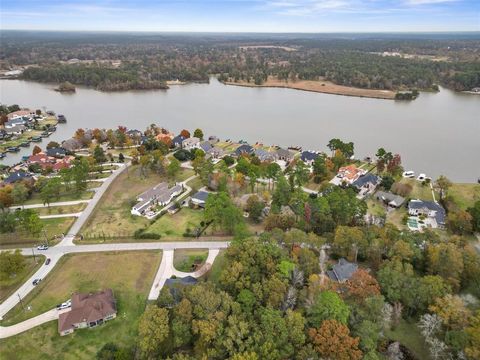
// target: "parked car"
[[42, 247], [47, 261], [408, 174], [36, 282], [421, 177], [64, 305]]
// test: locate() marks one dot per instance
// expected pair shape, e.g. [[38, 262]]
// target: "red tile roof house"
[[46, 161], [88, 310]]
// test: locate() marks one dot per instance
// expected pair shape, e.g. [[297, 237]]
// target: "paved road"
[[60, 203], [8, 331], [56, 216]]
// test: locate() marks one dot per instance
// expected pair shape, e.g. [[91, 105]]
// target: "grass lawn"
[[129, 274], [409, 335], [9, 285], [217, 267], [52, 227], [375, 207], [54, 210], [464, 195], [419, 191], [176, 225], [396, 217], [84, 195], [186, 259]]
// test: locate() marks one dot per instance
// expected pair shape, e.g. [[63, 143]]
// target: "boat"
[[13, 149], [61, 119], [45, 134], [25, 144], [36, 139], [25, 157], [2, 155]]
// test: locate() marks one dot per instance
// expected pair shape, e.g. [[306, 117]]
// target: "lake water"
[[435, 134]]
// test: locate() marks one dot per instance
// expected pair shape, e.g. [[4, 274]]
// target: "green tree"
[[220, 210], [443, 184], [12, 263], [173, 168], [474, 211], [99, 154], [320, 170], [20, 194], [153, 330], [327, 306], [198, 133]]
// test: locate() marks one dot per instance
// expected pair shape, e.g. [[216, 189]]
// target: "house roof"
[[177, 140], [390, 198], [205, 146], [430, 205], [201, 196], [71, 144], [350, 172], [18, 113], [15, 128], [284, 153], [17, 176], [243, 149], [56, 151], [188, 280], [343, 270], [365, 179], [264, 155], [88, 308], [308, 155], [160, 192]]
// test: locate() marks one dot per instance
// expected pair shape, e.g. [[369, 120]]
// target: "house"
[[175, 286], [134, 134], [199, 199], [87, 311], [50, 162], [15, 130], [213, 139], [216, 152], [308, 157], [390, 199], [342, 271], [348, 174], [57, 152], [433, 211], [14, 122], [264, 155], [17, 176], [191, 143], [19, 113], [178, 140], [244, 149], [165, 136], [205, 146], [366, 183], [160, 194], [284, 154]]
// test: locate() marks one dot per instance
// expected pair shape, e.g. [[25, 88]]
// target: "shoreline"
[[323, 87]]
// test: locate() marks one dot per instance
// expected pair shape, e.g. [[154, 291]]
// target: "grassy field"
[[217, 267], [409, 335], [70, 196], [52, 227], [419, 191], [396, 217], [465, 195], [8, 286], [375, 207], [176, 225], [55, 210], [129, 274], [186, 259]]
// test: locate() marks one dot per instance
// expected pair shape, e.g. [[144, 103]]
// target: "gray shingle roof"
[[244, 149], [308, 156], [342, 271], [431, 205], [389, 198], [365, 179]]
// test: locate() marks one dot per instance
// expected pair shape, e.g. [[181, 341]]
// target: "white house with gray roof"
[[390, 199], [160, 194], [433, 212], [191, 143]]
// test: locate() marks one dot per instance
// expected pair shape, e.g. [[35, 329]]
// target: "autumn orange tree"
[[362, 285], [36, 150], [185, 133], [332, 340]]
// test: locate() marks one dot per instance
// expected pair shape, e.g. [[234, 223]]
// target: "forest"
[[148, 61]]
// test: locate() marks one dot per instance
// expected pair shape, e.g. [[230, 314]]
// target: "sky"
[[242, 15]]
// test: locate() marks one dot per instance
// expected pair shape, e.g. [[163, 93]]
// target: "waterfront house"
[[213, 139], [57, 152], [206, 146], [216, 152], [87, 311], [284, 154], [433, 212], [366, 183], [191, 143], [49, 162], [264, 155], [160, 194], [348, 174], [17, 176], [19, 114], [72, 144], [244, 149], [199, 199], [342, 271], [15, 122], [390, 199], [177, 141], [308, 157], [15, 130]]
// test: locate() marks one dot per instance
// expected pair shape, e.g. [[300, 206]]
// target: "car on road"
[[36, 282], [47, 261], [64, 305], [42, 247]]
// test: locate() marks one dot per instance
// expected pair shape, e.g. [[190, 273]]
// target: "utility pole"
[[33, 253], [21, 301]]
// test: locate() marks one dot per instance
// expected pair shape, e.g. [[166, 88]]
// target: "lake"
[[435, 134]]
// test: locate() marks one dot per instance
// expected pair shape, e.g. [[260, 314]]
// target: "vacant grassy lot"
[[217, 267], [396, 217], [465, 195], [9, 285], [65, 196], [177, 224], [375, 207], [186, 259], [409, 335], [420, 191], [129, 275], [52, 228], [55, 210]]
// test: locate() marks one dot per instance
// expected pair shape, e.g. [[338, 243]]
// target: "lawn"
[[464, 195], [129, 274], [55, 210], [419, 191], [52, 228], [217, 267], [70, 196], [375, 207], [9, 285], [409, 335], [186, 259], [396, 217], [177, 224]]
